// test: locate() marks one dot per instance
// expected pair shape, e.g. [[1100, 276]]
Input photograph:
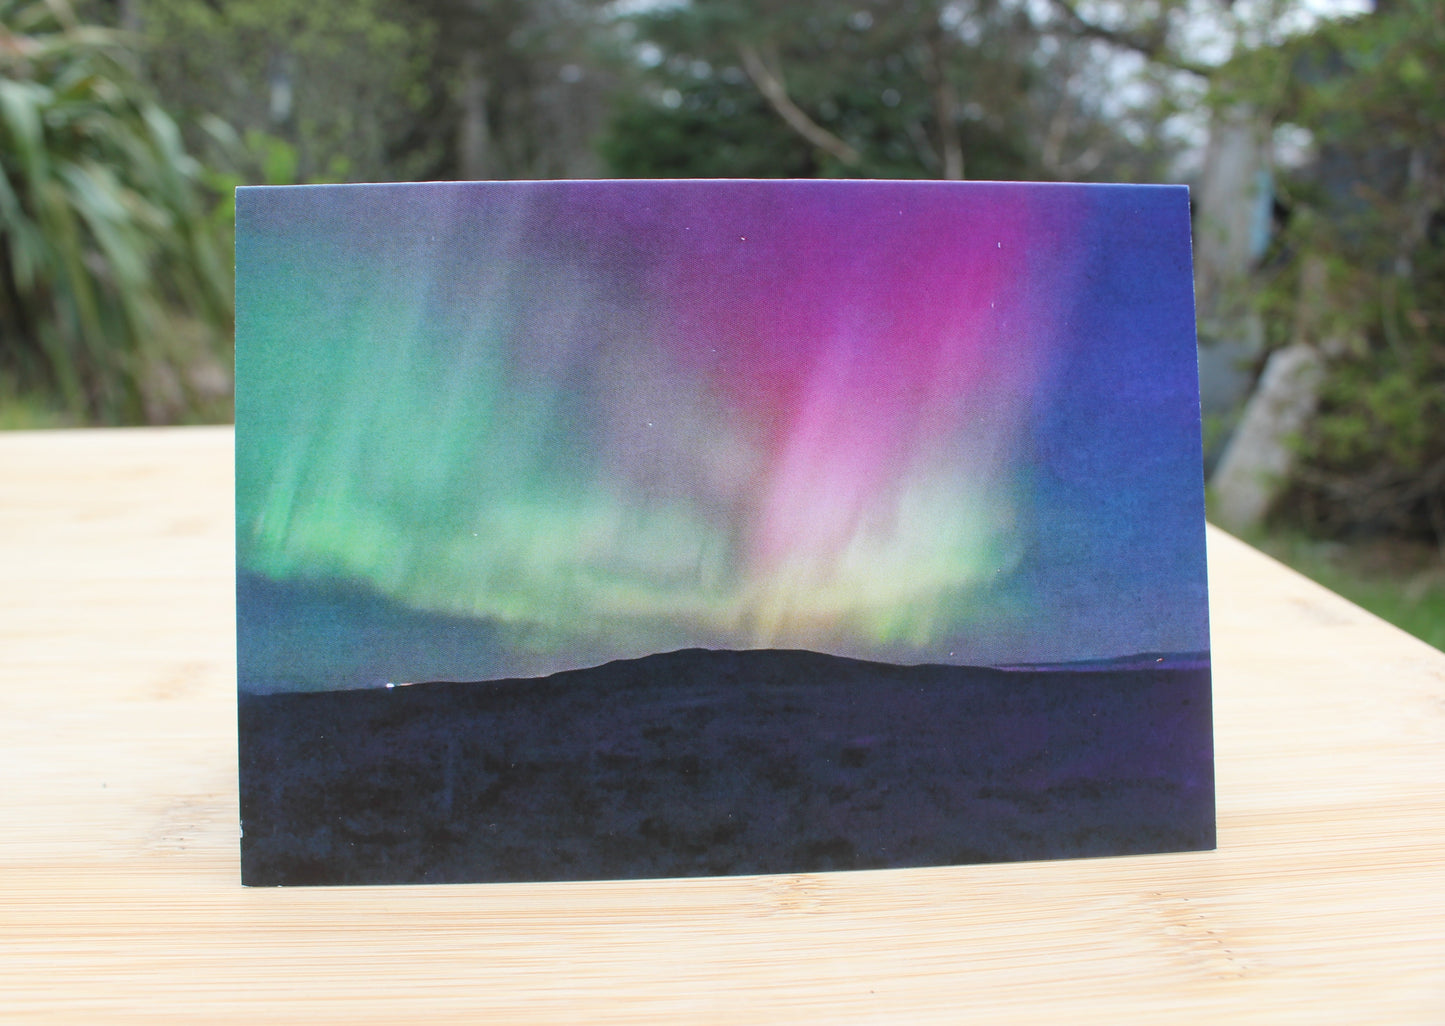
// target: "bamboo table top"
[[120, 898]]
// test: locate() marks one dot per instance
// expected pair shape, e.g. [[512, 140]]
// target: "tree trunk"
[[1230, 226], [945, 106], [474, 135], [1256, 466], [129, 15]]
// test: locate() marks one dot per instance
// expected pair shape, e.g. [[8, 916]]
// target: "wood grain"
[[119, 889]]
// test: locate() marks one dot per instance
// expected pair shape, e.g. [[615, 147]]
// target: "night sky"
[[914, 422]]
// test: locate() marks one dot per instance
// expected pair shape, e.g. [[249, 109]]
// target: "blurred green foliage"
[[340, 83], [724, 131], [1360, 266], [114, 287], [873, 89], [120, 152]]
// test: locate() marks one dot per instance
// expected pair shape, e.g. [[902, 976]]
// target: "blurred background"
[[1311, 131]]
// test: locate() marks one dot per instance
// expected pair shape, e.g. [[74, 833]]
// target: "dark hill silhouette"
[[704, 762]]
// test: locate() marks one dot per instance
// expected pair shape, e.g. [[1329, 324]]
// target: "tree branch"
[[1151, 45], [776, 93]]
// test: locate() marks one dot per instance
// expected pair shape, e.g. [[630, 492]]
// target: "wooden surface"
[[120, 900]]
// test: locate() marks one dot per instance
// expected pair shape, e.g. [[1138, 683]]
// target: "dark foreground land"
[[710, 763]]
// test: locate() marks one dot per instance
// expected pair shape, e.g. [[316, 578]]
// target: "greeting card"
[[633, 529]]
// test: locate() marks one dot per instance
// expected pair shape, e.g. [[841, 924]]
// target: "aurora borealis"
[[908, 422]]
